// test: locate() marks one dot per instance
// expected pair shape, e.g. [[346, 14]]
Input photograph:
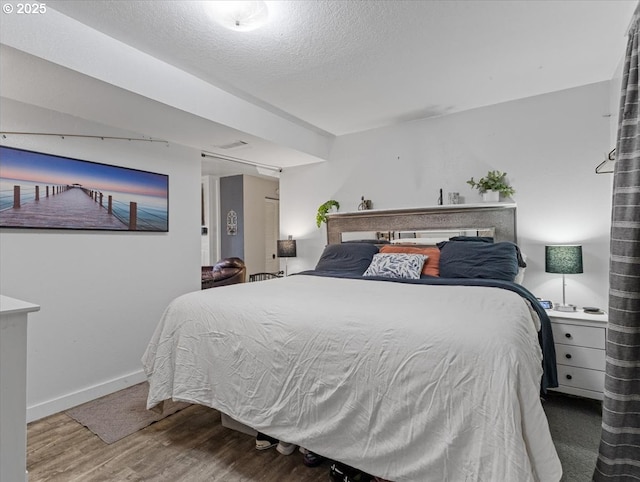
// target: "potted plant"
[[324, 208], [492, 185]]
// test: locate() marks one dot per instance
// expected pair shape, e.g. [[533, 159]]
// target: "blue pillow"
[[477, 239], [461, 259], [488, 239], [352, 258]]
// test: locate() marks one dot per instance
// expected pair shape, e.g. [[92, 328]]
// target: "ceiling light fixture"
[[241, 16]]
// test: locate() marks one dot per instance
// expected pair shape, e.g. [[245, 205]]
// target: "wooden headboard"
[[501, 217]]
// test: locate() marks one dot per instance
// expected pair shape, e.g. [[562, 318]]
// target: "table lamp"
[[564, 259], [286, 249]]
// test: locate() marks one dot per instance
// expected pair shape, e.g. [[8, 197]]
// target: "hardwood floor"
[[190, 445]]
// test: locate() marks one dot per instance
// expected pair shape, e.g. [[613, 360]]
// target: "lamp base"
[[559, 307]]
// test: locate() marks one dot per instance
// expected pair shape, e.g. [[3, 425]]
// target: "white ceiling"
[[335, 67]]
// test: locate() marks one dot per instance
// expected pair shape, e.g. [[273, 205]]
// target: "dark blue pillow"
[[461, 259], [489, 239], [477, 239], [352, 258]]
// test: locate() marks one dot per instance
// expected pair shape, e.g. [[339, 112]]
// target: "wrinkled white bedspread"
[[407, 382]]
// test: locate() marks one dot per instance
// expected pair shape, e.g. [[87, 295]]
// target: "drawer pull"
[[568, 335], [569, 377], [568, 356]]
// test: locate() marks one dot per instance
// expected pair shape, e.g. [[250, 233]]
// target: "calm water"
[[152, 211]]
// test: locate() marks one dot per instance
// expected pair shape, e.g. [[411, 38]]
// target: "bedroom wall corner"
[[101, 293], [548, 144], [614, 101]]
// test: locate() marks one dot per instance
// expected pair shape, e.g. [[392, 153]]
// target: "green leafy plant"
[[324, 208], [493, 181]]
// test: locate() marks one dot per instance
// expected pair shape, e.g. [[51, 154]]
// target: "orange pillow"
[[431, 267]]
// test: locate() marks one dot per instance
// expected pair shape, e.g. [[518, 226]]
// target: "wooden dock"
[[72, 209]]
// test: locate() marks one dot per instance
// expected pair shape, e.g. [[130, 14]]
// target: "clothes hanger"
[[606, 166]]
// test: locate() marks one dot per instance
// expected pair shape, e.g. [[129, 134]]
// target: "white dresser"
[[580, 340], [13, 388]]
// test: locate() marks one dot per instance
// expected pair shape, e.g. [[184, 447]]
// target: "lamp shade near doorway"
[[286, 249]]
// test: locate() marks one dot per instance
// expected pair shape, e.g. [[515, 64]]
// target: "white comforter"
[[407, 382]]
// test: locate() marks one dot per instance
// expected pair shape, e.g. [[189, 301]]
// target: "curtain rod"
[[240, 161], [141, 139], [86, 136]]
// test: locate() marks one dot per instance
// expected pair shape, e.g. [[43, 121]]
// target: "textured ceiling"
[[344, 66], [318, 69]]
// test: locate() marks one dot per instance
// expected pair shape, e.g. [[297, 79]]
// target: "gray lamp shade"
[[286, 248], [565, 259]]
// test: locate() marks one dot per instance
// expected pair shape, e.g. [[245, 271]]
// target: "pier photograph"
[[46, 191]]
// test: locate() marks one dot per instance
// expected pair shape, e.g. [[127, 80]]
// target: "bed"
[[428, 378]]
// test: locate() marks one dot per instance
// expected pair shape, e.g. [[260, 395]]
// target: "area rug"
[[122, 413]]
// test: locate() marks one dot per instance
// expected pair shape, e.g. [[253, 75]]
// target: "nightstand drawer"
[[580, 378], [578, 356], [592, 337]]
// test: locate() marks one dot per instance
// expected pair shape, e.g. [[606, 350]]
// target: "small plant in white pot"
[[492, 186]]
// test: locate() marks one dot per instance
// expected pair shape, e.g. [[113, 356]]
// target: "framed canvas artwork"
[[45, 191]]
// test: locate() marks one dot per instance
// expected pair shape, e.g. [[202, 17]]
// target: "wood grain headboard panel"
[[500, 216]]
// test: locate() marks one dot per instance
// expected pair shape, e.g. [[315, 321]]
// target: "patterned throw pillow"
[[396, 265], [431, 265]]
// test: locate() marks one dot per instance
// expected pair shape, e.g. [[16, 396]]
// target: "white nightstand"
[[580, 340]]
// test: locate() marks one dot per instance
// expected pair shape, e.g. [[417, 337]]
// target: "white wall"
[[614, 101], [549, 145], [101, 293]]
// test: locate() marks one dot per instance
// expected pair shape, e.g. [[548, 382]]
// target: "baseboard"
[[41, 410]]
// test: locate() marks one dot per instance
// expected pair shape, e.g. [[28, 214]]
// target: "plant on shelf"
[[493, 181], [324, 208]]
